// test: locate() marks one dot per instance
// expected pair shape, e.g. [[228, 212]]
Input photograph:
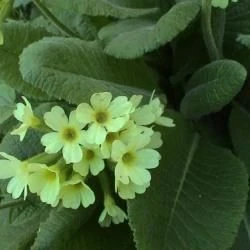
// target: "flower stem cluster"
[[108, 134]]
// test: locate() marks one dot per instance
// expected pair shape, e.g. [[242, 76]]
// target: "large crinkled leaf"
[[61, 225], [73, 70], [78, 24], [197, 196], [133, 38], [92, 237], [213, 87], [7, 102], [118, 9], [239, 125], [17, 36]]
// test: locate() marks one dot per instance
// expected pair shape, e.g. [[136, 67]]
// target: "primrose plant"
[[124, 124], [106, 135]]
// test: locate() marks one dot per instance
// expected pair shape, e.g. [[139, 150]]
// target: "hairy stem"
[[53, 19], [207, 31]]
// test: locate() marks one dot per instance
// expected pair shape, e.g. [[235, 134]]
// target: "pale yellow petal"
[[52, 142], [19, 111], [84, 113], [96, 134], [72, 153], [115, 124], [118, 150], [148, 158], [100, 101], [56, 118], [96, 166], [165, 121], [75, 122], [120, 106], [139, 176], [82, 167], [20, 131]]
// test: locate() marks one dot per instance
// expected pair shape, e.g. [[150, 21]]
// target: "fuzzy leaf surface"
[[191, 197], [72, 69], [213, 87], [132, 38]]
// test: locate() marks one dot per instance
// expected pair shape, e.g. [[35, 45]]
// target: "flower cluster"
[[108, 135]]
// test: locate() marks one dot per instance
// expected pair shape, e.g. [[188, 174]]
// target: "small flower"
[[133, 161], [221, 3], [128, 191], [68, 134], [18, 171], [103, 115], [126, 135], [92, 161], [45, 181], [75, 192], [152, 113], [111, 213], [24, 114]]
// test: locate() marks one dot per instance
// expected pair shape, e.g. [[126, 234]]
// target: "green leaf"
[[60, 227], [197, 196], [239, 124], [93, 237], [238, 22], [17, 36], [73, 70], [7, 102], [213, 87], [243, 238], [244, 40], [134, 37], [118, 9], [77, 23], [18, 3]]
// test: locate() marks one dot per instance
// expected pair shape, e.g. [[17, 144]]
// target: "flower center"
[[101, 117], [128, 158], [50, 176], [78, 186], [69, 134], [111, 137], [90, 154]]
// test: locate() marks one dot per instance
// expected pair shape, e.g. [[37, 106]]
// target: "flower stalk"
[[206, 14]]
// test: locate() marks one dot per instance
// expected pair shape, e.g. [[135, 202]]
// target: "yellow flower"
[[45, 181], [128, 191], [24, 114], [104, 115], [75, 192], [18, 171], [134, 160], [92, 161], [68, 135], [128, 134], [111, 213], [152, 113]]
